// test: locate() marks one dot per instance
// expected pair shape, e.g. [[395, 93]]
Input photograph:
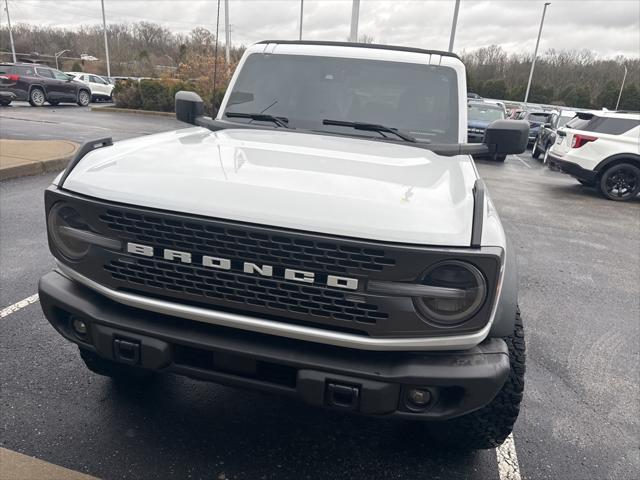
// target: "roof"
[[362, 45]]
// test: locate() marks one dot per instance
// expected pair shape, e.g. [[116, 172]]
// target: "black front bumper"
[[571, 168], [375, 383]]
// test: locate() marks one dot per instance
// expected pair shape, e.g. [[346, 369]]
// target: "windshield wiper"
[[261, 117], [371, 127]]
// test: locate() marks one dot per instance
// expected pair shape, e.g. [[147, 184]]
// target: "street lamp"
[[535, 53], [453, 25], [621, 86], [57, 55]]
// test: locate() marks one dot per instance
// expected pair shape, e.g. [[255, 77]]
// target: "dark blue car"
[[479, 116], [536, 120]]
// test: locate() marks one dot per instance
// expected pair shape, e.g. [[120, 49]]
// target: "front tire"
[[5, 103], [490, 426], [499, 158], [37, 97], [535, 151], [620, 182], [84, 98]]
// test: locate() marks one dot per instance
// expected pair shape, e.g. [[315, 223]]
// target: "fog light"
[[418, 398], [80, 327]]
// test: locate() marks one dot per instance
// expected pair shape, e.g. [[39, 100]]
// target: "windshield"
[[421, 100], [538, 117], [483, 113], [563, 121]]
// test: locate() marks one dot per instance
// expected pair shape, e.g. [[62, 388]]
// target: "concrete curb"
[[35, 168], [133, 111]]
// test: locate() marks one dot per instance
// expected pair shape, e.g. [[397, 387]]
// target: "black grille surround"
[[274, 298]]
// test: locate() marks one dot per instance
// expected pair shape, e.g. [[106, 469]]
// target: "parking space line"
[[524, 162], [18, 305], [508, 467]]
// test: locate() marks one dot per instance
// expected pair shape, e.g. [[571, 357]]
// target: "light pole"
[[621, 86], [453, 25], [535, 53], [57, 55], [13, 48], [106, 44], [355, 13], [301, 13], [227, 33]]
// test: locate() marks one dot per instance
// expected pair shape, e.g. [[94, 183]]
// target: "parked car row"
[[39, 84]]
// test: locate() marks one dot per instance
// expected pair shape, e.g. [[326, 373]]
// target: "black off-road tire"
[[489, 426], [499, 158], [5, 103], [37, 97], [620, 182], [117, 371]]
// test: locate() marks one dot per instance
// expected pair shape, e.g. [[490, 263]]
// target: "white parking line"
[[508, 467], [18, 305], [521, 160]]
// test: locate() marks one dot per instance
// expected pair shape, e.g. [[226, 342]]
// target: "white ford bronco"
[[325, 236]]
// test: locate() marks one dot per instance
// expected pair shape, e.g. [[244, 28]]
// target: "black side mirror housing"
[[504, 137], [189, 106]]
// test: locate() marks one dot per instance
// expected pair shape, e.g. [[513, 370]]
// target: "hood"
[[326, 184], [478, 123]]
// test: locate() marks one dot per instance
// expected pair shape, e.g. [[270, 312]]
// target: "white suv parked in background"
[[100, 88], [603, 150]]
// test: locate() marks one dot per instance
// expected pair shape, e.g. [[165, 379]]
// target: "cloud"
[[607, 27]]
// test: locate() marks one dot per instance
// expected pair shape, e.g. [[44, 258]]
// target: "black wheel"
[[620, 182], [489, 426], [54, 103], [84, 98], [5, 103], [37, 97], [117, 371], [535, 151], [499, 158]]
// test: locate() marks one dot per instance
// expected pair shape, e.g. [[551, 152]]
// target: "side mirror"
[[189, 106], [505, 137]]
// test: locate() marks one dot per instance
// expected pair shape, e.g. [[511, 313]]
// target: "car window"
[[538, 117], [482, 113], [96, 79], [419, 99], [60, 76], [607, 125], [44, 72], [5, 70]]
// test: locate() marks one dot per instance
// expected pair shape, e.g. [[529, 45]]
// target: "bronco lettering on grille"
[[247, 267]]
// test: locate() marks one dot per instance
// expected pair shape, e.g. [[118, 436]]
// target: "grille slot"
[[226, 241], [211, 286]]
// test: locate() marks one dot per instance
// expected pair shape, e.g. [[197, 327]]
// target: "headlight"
[[63, 222], [452, 310]]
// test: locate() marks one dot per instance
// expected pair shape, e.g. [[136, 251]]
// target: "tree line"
[[562, 77]]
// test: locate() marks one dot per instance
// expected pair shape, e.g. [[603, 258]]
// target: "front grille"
[[242, 290], [251, 245]]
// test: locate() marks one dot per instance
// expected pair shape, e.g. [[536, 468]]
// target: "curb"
[[35, 168], [133, 111]]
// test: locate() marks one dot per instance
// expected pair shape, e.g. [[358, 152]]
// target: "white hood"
[[326, 184]]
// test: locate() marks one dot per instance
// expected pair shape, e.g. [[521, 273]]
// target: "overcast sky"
[[607, 27]]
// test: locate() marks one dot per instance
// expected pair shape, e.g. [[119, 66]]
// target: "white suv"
[[601, 149], [100, 88]]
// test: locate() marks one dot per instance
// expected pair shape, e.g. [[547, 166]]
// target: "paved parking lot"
[[579, 289]]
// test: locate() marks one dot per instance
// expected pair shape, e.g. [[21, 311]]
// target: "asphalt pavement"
[[20, 121], [579, 289]]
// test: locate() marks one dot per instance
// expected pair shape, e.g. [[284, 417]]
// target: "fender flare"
[[504, 320], [617, 158]]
